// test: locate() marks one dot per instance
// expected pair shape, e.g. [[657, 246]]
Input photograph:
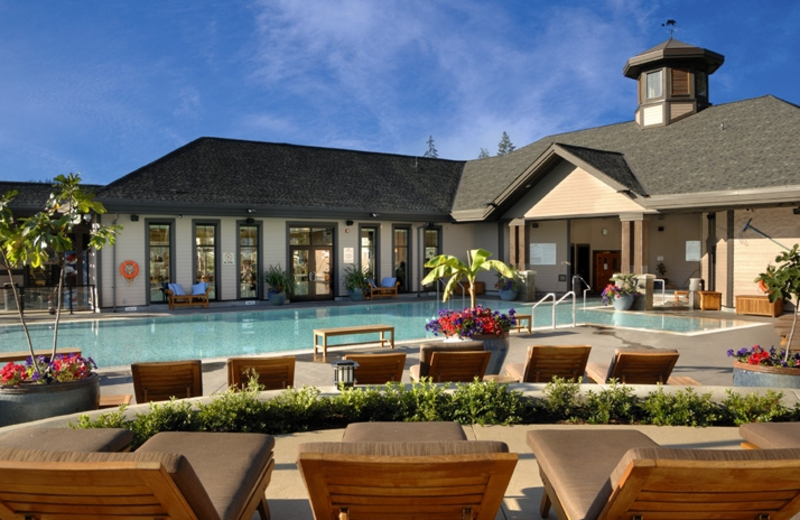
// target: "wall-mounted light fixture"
[[796, 211], [661, 228], [349, 222], [250, 221], [251, 210], [134, 218], [374, 215]]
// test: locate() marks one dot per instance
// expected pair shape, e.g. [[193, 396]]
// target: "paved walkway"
[[702, 357]]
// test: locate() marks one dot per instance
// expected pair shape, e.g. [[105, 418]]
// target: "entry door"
[[606, 263], [311, 250]]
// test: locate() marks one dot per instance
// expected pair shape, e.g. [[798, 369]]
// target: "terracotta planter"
[[31, 402], [745, 374]]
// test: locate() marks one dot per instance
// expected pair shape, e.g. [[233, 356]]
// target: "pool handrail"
[[440, 281], [586, 285], [663, 287], [555, 304]]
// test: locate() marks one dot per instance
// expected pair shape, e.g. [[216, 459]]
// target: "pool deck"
[[702, 357]]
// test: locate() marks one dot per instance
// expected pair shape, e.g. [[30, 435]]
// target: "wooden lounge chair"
[[162, 380], [420, 480], [639, 367], [426, 351], [770, 435], [274, 373], [192, 475], [387, 288], [458, 366], [68, 439], [377, 369], [615, 473], [544, 362]]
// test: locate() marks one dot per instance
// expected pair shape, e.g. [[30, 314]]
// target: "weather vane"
[[671, 27]]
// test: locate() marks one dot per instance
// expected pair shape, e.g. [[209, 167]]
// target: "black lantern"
[[344, 372]]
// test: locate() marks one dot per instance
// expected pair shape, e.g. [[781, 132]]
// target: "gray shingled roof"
[[743, 145], [33, 195], [226, 173]]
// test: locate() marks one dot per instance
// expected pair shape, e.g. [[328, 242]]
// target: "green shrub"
[[561, 402], [486, 403], [738, 409], [615, 404], [682, 408]]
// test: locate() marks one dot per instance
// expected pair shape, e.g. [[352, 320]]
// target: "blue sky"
[[103, 87]]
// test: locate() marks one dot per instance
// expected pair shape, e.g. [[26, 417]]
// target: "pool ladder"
[[552, 296]]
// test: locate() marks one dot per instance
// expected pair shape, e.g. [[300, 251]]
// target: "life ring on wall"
[[129, 269]]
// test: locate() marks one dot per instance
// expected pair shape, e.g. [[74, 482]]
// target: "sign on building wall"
[[692, 250], [543, 254], [348, 255]]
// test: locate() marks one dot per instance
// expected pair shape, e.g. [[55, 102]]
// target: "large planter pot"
[[508, 294], [745, 374], [498, 346], [276, 298], [356, 294], [31, 402], [622, 303]]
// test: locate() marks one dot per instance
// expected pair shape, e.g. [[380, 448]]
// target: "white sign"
[[348, 255], [692, 250], [543, 254], [227, 258]]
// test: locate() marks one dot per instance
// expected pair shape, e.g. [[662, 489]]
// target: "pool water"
[[121, 342]]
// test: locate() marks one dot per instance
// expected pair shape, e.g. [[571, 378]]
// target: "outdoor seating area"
[[178, 297], [544, 362], [639, 367], [387, 289]]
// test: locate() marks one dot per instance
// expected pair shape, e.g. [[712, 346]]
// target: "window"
[[653, 85], [402, 256], [433, 246], [369, 250], [248, 262], [159, 244], [205, 255], [701, 86]]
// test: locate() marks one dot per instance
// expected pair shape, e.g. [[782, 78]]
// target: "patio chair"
[[202, 475], [377, 369], [616, 473], [544, 362], [770, 435], [162, 380], [639, 367], [420, 480], [458, 366], [426, 350], [178, 297], [387, 288], [274, 373]]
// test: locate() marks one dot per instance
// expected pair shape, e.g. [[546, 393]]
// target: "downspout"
[[113, 267]]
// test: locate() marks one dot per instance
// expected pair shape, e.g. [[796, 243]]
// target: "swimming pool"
[[112, 342]]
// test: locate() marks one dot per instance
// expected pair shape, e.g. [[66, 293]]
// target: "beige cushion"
[[578, 463], [68, 439], [227, 464], [403, 431], [772, 435], [404, 449]]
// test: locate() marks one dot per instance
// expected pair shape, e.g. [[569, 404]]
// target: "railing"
[[555, 305], [44, 299], [663, 289], [440, 281], [587, 287]]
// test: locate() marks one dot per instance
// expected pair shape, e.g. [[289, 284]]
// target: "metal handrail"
[[586, 284], [663, 289], [555, 304], [533, 309], [440, 281]]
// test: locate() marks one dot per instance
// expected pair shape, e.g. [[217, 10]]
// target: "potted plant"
[[280, 284], [661, 271], [622, 293], [508, 286], [486, 325], [356, 282], [773, 367], [40, 384]]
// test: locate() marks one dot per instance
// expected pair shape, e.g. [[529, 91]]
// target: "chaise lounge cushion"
[[228, 464], [584, 493], [68, 439], [403, 431], [405, 449], [772, 435]]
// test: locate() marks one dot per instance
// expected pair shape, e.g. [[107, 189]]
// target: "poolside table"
[[321, 336]]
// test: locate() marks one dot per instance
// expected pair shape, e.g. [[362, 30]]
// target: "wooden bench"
[[187, 300], [324, 334], [22, 355], [526, 318], [758, 305]]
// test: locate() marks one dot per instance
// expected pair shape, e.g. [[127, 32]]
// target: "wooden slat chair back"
[[377, 369], [274, 373], [351, 486], [458, 366], [162, 380], [637, 367], [548, 361], [701, 488]]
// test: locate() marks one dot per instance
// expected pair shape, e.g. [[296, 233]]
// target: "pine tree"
[[484, 154], [505, 147], [432, 153]]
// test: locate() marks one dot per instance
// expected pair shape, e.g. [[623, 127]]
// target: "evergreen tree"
[[484, 154], [432, 153], [505, 147]]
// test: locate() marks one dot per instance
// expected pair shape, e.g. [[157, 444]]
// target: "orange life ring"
[[129, 269]]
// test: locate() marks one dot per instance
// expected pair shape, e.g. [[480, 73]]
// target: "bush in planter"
[[356, 280], [45, 237], [279, 280], [782, 282]]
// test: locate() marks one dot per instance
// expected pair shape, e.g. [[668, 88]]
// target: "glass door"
[[402, 256], [311, 250], [159, 244], [248, 262]]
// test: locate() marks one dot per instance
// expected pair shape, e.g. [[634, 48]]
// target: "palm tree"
[[448, 265]]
